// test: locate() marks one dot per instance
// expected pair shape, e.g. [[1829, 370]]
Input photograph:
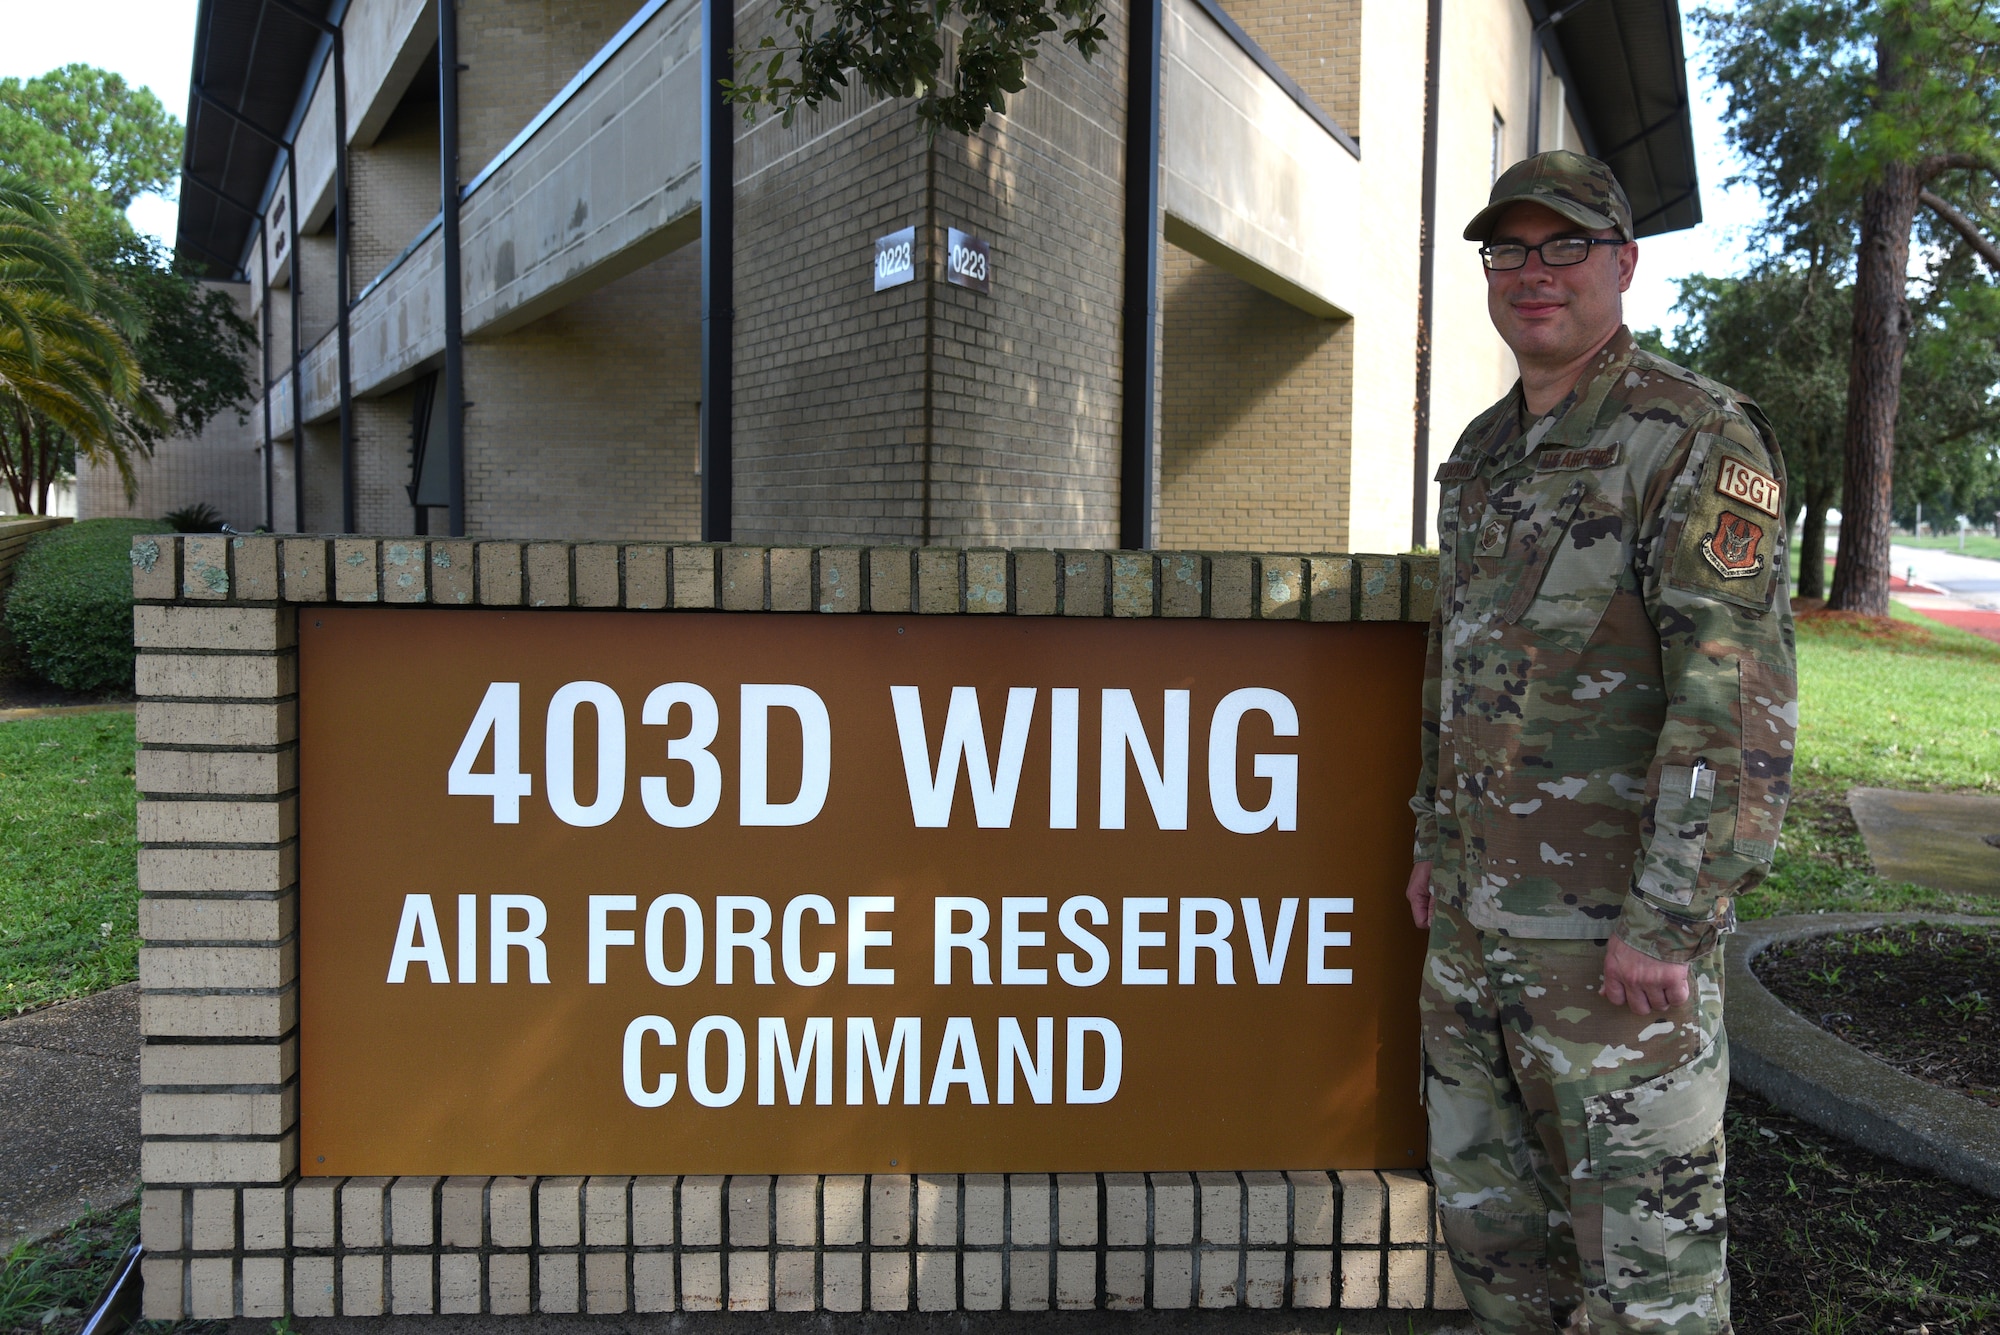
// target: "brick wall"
[[1018, 438], [1318, 42], [322, 473], [393, 182], [1256, 416], [1025, 1242], [318, 310], [828, 380], [587, 421], [926, 413], [233, 1229], [519, 54], [382, 463], [1026, 446]]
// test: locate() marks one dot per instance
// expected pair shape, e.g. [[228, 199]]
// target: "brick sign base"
[[232, 1230]]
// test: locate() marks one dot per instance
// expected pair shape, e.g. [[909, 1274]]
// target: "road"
[[1972, 580]]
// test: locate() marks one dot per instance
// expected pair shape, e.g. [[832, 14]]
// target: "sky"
[[1718, 245], [151, 43]]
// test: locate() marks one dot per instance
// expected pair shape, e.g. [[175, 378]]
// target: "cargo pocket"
[[1680, 833], [1770, 717], [1656, 1159]]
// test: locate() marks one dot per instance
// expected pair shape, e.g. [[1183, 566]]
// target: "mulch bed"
[[1875, 628], [1924, 999], [1825, 1237]]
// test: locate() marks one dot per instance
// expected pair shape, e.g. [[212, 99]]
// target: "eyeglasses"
[[1558, 253]]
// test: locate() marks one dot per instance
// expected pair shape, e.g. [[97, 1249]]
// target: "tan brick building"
[[670, 327]]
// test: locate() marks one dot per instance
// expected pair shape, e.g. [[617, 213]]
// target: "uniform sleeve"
[[1716, 583], [1424, 803]]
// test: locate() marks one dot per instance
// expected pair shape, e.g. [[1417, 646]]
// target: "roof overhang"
[[1625, 69], [259, 62]]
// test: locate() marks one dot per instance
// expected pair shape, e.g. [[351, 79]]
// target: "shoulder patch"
[[1734, 546], [1559, 461], [1740, 482], [1456, 470], [1729, 548]]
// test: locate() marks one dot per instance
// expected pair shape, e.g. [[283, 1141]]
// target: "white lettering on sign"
[[1093, 1060], [738, 931], [499, 717], [967, 261], [717, 1049], [1739, 481], [994, 777], [895, 258]]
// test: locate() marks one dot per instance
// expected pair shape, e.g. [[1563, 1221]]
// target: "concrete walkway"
[[69, 1112], [1947, 841]]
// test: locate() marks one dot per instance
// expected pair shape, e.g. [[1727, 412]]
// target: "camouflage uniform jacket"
[[1609, 699]]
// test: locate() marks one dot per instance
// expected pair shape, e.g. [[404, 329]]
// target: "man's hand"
[[1635, 979], [1419, 894]]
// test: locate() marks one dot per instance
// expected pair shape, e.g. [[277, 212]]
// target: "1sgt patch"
[[1729, 548], [1740, 482]]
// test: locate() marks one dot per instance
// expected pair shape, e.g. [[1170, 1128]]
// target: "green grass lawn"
[[1909, 707], [1976, 544], [50, 1286], [68, 860]]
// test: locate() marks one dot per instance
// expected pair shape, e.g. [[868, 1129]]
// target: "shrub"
[[71, 608], [200, 517]]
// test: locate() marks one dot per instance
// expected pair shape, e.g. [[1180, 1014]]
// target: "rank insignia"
[[1732, 548], [1740, 482], [1493, 537]]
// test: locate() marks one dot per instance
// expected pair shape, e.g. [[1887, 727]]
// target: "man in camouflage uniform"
[[1607, 745]]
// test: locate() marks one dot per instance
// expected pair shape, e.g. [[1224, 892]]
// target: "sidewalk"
[[1954, 590], [1954, 612], [69, 1112], [1948, 841]]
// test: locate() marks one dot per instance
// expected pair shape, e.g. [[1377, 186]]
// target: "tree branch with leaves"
[[106, 347], [898, 49], [1854, 115]]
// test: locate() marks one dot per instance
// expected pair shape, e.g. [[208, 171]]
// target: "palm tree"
[[68, 373]]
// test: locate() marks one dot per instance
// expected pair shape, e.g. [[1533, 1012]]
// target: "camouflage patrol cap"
[[1581, 189]]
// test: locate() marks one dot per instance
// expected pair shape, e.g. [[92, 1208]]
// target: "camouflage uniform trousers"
[[1577, 1148]]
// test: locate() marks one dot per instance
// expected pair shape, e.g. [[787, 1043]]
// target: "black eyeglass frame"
[[1486, 252]]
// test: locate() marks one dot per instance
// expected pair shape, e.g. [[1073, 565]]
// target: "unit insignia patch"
[[1740, 482], [1562, 461], [1726, 547], [1732, 546]]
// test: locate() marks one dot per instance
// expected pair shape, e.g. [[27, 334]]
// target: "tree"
[[1948, 431], [194, 349], [68, 375], [88, 137], [90, 144], [896, 48], [1783, 335], [1780, 335], [1868, 111]]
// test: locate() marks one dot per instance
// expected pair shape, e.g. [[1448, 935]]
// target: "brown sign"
[[595, 892]]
